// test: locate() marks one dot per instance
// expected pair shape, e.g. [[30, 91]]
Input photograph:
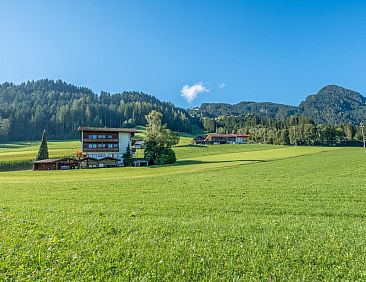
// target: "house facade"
[[100, 143], [198, 140], [227, 138]]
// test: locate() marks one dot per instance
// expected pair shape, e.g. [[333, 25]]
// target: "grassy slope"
[[281, 213]]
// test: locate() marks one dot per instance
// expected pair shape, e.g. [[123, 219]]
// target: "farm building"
[[102, 143], [226, 138], [198, 140], [89, 162], [55, 164]]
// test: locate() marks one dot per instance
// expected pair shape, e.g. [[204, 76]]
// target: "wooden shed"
[[55, 164]]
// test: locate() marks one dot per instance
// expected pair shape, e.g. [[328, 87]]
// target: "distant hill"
[[331, 105], [60, 108], [263, 109], [334, 105]]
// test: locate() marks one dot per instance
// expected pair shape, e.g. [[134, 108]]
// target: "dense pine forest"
[[60, 108]]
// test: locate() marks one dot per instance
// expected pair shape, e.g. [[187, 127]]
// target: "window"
[[115, 145], [92, 136], [101, 136], [110, 136], [110, 146], [100, 145], [101, 155]]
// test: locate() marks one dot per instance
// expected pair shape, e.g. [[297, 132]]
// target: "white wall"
[[124, 140]]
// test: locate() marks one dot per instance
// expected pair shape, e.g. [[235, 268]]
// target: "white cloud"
[[222, 85], [190, 93]]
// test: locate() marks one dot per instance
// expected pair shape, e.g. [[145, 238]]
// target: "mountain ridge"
[[332, 104]]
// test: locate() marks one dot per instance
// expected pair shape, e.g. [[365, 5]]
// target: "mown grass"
[[291, 213]]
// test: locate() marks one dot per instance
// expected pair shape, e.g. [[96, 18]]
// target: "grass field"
[[236, 212]]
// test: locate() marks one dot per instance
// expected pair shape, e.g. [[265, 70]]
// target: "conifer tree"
[[43, 148], [127, 157]]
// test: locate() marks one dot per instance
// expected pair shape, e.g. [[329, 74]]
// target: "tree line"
[[294, 130], [60, 108]]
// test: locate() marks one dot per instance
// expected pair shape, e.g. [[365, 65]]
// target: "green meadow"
[[228, 212]]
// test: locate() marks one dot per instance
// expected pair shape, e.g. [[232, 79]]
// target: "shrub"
[[165, 156]]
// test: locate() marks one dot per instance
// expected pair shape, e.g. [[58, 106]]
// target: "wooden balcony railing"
[[100, 149], [104, 140]]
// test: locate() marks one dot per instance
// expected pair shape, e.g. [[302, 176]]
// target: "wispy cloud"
[[222, 85], [190, 92]]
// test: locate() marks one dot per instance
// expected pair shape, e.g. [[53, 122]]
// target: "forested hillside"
[[60, 108], [335, 105], [332, 105], [265, 109]]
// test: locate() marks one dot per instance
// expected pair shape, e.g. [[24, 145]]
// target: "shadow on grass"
[[15, 145], [191, 146], [195, 162]]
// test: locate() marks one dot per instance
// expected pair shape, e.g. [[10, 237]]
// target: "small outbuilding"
[[140, 162], [199, 140], [108, 162], [89, 162], [55, 164]]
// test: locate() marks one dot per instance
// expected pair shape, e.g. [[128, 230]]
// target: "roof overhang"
[[106, 129]]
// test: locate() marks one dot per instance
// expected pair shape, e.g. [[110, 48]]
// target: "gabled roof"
[[106, 129], [199, 137], [88, 158], [46, 161]]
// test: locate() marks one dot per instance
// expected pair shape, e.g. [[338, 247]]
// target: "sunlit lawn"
[[253, 213]]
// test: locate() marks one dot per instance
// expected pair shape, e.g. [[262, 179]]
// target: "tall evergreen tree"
[[43, 148], [127, 157]]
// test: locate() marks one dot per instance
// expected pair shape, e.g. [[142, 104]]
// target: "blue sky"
[[231, 51]]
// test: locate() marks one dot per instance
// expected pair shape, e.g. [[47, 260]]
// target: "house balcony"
[[104, 140], [108, 150]]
